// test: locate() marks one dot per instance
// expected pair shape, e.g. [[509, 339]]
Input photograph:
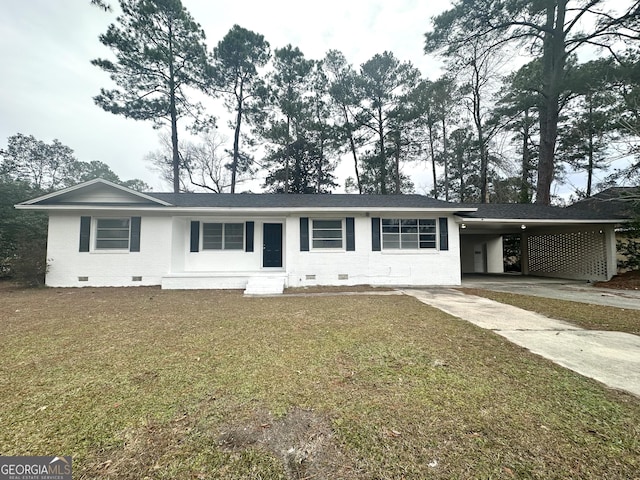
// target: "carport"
[[553, 241]]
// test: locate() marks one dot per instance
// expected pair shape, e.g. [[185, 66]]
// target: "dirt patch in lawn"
[[142, 450], [624, 281], [302, 440]]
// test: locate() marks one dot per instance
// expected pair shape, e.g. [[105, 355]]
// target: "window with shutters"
[[326, 234], [408, 234], [112, 233], [223, 236]]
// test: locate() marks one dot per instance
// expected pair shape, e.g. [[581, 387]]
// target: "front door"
[[272, 245]]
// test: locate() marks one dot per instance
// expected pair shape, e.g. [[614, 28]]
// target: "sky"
[[48, 84]]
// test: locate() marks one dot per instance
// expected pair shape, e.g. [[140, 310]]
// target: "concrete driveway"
[[573, 290], [612, 358]]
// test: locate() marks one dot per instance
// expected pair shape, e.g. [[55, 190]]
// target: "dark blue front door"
[[272, 245]]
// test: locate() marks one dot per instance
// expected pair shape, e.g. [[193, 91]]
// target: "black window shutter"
[[248, 227], [351, 235], [304, 234], [134, 243], [195, 236], [375, 234], [444, 233], [85, 233]]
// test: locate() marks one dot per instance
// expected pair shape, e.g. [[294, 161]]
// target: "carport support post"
[[524, 253], [610, 250]]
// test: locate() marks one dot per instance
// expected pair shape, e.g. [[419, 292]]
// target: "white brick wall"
[[220, 260], [164, 252], [363, 266], [106, 269]]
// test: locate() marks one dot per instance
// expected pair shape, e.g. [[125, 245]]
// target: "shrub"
[[29, 263], [628, 247]]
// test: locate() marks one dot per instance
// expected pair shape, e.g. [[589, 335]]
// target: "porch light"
[[523, 226], [463, 225]]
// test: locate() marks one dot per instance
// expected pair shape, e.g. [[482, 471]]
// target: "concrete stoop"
[[264, 286]]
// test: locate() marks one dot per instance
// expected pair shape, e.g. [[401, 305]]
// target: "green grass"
[[144, 383], [589, 316]]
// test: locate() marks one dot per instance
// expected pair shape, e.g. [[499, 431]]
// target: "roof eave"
[[536, 221], [233, 210]]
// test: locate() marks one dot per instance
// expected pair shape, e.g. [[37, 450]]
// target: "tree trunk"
[[286, 158], [445, 160], [553, 63], [236, 141], [484, 166], [175, 162], [477, 120], [174, 144], [526, 161], [383, 154], [433, 161], [460, 158], [397, 158], [352, 145], [320, 163], [590, 152]]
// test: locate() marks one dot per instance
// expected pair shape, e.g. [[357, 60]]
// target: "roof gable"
[[98, 192]]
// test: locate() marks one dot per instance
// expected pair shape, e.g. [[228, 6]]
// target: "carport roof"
[[533, 212]]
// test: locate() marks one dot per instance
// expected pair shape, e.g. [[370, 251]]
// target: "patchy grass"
[[144, 383], [589, 316]]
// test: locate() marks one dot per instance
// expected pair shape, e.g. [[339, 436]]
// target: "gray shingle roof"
[[275, 200], [532, 211], [613, 201]]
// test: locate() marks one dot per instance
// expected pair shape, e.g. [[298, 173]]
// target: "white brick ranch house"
[[103, 234]]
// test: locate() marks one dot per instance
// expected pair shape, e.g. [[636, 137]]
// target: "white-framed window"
[[408, 234], [112, 233], [326, 233], [223, 236]]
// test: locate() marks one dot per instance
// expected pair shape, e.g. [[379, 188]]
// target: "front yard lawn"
[[143, 383]]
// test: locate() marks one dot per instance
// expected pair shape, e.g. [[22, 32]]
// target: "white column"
[[610, 250]]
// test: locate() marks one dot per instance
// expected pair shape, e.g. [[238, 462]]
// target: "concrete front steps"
[[264, 286], [223, 280]]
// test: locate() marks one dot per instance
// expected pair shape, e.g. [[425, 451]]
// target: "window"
[[112, 233], [222, 236], [327, 233], [408, 233]]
